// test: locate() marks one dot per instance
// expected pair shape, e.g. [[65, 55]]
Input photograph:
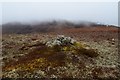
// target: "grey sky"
[[103, 12]]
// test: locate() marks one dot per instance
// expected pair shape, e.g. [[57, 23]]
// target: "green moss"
[[78, 45]]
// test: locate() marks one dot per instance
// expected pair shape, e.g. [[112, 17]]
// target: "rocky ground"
[[24, 55]]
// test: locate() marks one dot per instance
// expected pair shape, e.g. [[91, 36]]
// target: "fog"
[[99, 12]]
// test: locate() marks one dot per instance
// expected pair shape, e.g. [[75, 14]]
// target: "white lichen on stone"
[[60, 40]]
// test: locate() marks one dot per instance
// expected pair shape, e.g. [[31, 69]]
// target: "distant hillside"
[[44, 27]]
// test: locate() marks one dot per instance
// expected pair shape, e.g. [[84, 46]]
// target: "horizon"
[[58, 22], [98, 12]]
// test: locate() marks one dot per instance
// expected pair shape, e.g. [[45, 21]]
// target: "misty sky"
[[103, 12]]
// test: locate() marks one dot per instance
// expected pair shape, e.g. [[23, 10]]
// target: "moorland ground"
[[21, 57]]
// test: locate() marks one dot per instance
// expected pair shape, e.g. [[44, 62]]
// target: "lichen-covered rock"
[[60, 40]]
